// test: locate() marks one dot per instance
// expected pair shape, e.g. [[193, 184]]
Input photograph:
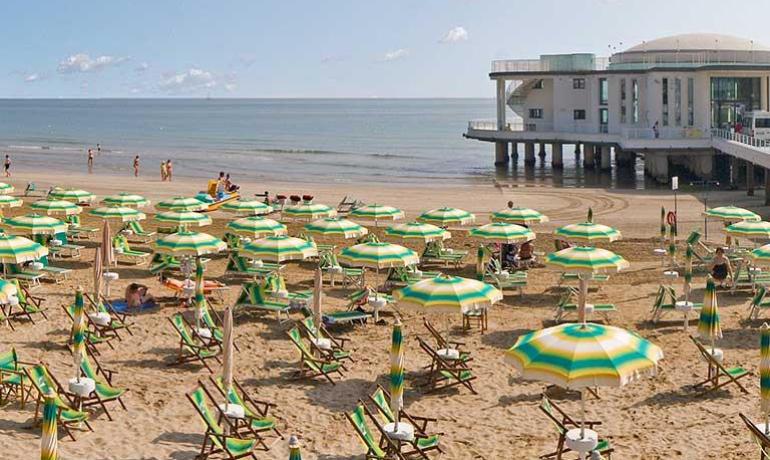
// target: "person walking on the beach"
[[169, 170], [163, 171], [136, 166], [90, 161], [7, 165]]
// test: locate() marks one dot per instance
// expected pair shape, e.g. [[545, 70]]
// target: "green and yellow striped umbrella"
[[731, 214], [761, 255], [126, 200], [200, 295], [294, 450], [444, 217], [764, 372], [18, 250], [250, 207], [448, 294], [189, 244], [377, 212], [181, 203], [397, 370], [70, 194], [8, 201], [500, 232], [256, 227], [418, 231], [6, 188], [335, 226], [279, 249], [120, 214], [688, 254], [7, 291], [662, 223], [49, 448], [587, 232], [518, 216], [78, 331], [308, 211], [579, 356], [35, 224], [586, 259], [753, 230], [708, 322], [185, 219], [378, 255], [63, 207]]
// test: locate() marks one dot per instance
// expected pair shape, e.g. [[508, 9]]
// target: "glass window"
[[604, 119], [578, 83], [664, 93], [538, 84], [731, 97], [604, 91], [634, 101], [578, 114], [622, 100], [678, 102], [690, 101], [535, 113]]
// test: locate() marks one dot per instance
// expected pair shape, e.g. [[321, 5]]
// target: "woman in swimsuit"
[[720, 267]]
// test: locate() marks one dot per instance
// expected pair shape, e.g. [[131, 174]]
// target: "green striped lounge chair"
[[124, 253], [58, 274], [275, 282], [29, 278], [215, 441], [758, 303], [386, 448], [138, 231], [381, 400], [46, 384], [567, 306], [513, 281], [28, 306], [238, 265], [444, 373], [232, 240], [256, 411], [161, 263], [253, 297], [103, 392], [64, 248], [563, 423], [13, 380], [665, 302], [436, 253], [718, 375], [311, 366], [743, 278], [351, 276], [327, 344], [118, 321], [189, 350], [77, 231]]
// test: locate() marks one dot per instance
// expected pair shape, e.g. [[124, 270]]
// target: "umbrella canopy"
[[764, 370], [49, 449], [377, 212], [309, 211], [49, 207], [184, 218], [250, 207], [120, 214], [8, 201], [126, 200], [279, 249], [294, 450], [180, 203], [397, 370], [444, 217], [578, 356], [418, 231], [518, 216], [256, 227], [586, 259], [78, 331], [6, 188], [731, 214], [501, 232], [35, 224], [708, 322], [7, 291], [753, 230], [74, 195], [761, 254], [378, 255], [587, 232], [448, 294], [335, 226], [189, 244], [17, 249]]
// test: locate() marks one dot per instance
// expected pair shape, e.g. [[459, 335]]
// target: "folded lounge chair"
[[758, 303], [47, 385], [311, 366], [215, 441], [136, 230], [256, 411], [189, 350], [563, 423], [716, 370], [444, 372]]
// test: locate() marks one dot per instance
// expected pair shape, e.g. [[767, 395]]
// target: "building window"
[[604, 91], [731, 97], [634, 101], [622, 100], [690, 102], [578, 83], [664, 95], [604, 119], [678, 102], [538, 84], [535, 113], [578, 114]]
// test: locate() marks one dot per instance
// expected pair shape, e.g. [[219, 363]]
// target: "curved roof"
[[698, 42]]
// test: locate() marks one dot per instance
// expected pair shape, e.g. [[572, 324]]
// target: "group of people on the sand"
[[166, 171]]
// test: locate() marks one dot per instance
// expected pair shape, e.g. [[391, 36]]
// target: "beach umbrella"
[[397, 370], [308, 211], [294, 451], [192, 244], [585, 260], [120, 214], [228, 354], [126, 200], [108, 252], [335, 226], [250, 207], [183, 218], [377, 212], [761, 254], [662, 224], [6, 188], [8, 201], [35, 224], [180, 203], [752, 230], [63, 207], [672, 243], [418, 231], [78, 331], [49, 449], [500, 232], [74, 195], [7, 291], [18, 250], [587, 232], [708, 322], [98, 273], [731, 214], [764, 373], [518, 216], [444, 217], [448, 294], [200, 295], [256, 227], [279, 249]]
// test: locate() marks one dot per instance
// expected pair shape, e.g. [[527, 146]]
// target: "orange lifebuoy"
[[671, 218]]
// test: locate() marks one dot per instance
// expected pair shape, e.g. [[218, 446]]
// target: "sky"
[[326, 48]]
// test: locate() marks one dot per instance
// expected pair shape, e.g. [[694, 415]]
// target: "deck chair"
[[443, 343], [237, 265], [93, 339], [665, 302], [717, 371], [253, 297], [215, 441], [354, 313], [162, 263], [28, 306], [743, 278], [13, 380], [351, 276], [573, 277], [275, 283], [332, 347], [445, 373], [381, 400], [136, 230], [759, 436], [29, 278], [76, 230], [189, 350], [124, 253], [495, 275], [436, 253], [311, 366], [419, 447], [758, 303], [233, 241], [46, 384], [103, 392], [211, 321], [57, 274], [256, 411], [404, 276], [563, 423], [348, 204], [118, 321], [567, 306], [386, 449], [213, 288]]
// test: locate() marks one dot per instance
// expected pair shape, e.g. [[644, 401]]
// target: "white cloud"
[[142, 67], [190, 80], [82, 62], [455, 34], [395, 55], [33, 77], [230, 87]]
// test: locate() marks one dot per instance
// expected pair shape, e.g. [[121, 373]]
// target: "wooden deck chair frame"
[[92, 338], [716, 371], [95, 400], [337, 343], [36, 303], [388, 446], [571, 292], [195, 350], [61, 393], [419, 423], [443, 373], [6, 390], [758, 302], [124, 322], [394, 447], [441, 341], [563, 422], [306, 358], [762, 439]]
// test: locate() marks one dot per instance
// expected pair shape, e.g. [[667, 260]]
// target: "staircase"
[[517, 92]]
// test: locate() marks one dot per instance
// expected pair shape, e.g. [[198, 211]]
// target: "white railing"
[[690, 58], [537, 65], [731, 135], [665, 133]]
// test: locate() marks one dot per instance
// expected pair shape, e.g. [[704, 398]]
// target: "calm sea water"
[[341, 140]]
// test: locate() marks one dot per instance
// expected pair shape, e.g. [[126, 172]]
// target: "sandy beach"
[[656, 418]]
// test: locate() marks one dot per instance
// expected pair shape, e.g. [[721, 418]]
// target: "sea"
[[410, 141]]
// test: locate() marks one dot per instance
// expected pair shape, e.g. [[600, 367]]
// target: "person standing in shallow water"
[[169, 170], [90, 161], [7, 165], [136, 166], [163, 171]]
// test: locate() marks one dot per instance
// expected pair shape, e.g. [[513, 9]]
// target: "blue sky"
[[328, 48]]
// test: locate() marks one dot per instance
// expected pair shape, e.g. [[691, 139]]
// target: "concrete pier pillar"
[[624, 158], [749, 178], [606, 158], [656, 165], [501, 154], [589, 158], [577, 148], [734, 164], [541, 152], [501, 123], [557, 156], [514, 151], [529, 153]]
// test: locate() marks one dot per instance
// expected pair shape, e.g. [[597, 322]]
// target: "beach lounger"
[[135, 230], [717, 371], [215, 441], [758, 303], [404, 276], [567, 306], [103, 392], [443, 344], [745, 278], [47, 385], [759, 436], [13, 380], [210, 287], [239, 266], [665, 302], [28, 278], [161, 263], [189, 350], [257, 411], [444, 372], [253, 297], [57, 274], [118, 321], [124, 253], [564, 423], [28, 306], [435, 252], [574, 277], [385, 449], [311, 366], [76, 231], [381, 400], [348, 204], [330, 346], [351, 276], [62, 248]]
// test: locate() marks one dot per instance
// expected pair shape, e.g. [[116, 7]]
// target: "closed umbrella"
[[227, 353], [294, 450], [688, 272], [98, 272], [444, 217], [764, 373], [200, 296], [708, 322], [108, 252], [662, 224], [49, 449], [397, 371], [78, 332], [317, 305]]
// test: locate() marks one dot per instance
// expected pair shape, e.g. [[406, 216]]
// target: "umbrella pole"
[[376, 295], [582, 414], [582, 299]]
